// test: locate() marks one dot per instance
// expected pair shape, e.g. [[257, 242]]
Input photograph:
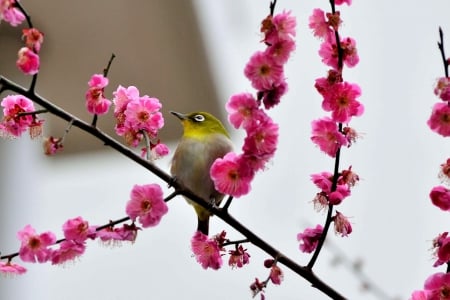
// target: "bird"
[[204, 140]]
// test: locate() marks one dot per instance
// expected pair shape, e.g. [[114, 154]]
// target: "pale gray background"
[[397, 158]]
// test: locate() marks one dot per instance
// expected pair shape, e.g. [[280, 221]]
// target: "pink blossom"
[[329, 53], [33, 38], [351, 135], [159, 150], [419, 295], [238, 257], [285, 25], [339, 2], [206, 251], [319, 24], [342, 102], [440, 196], [115, 235], [326, 135], [342, 224], [10, 13], [348, 177], [258, 287], [281, 50], [143, 114], [439, 120], [437, 286], [336, 197], [35, 246], [442, 89], [262, 139], [263, 72], [323, 181], [96, 103], [325, 85], [320, 201], [136, 114], [231, 175], [278, 27], [147, 204], [310, 238], [122, 96], [242, 110], [28, 61], [272, 97], [52, 145], [10, 269], [13, 124], [78, 230], [442, 249], [276, 274], [68, 250], [444, 172]]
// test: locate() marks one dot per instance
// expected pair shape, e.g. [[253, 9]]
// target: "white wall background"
[[397, 159]]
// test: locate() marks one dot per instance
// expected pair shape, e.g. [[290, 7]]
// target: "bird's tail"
[[203, 225]]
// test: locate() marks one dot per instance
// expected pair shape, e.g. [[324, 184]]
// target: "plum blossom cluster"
[[28, 56], [209, 251], [338, 96], [139, 117], [437, 286], [275, 276], [233, 173], [439, 120], [146, 207], [331, 133], [19, 116]]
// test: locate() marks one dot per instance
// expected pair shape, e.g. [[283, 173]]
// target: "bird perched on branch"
[[204, 140]]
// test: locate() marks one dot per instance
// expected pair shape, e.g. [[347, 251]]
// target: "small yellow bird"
[[204, 140]]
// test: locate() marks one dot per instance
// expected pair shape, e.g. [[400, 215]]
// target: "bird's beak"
[[178, 115]]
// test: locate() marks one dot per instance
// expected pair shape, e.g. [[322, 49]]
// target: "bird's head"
[[200, 124]]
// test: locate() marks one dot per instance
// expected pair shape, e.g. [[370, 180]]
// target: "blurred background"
[[191, 55]]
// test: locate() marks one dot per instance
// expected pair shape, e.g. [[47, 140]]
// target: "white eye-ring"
[[199, 118]]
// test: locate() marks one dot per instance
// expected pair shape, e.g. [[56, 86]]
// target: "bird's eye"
[[199, 118]]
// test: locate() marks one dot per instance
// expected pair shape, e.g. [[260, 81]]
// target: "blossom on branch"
[[342, 224], [341, 101], [10, 13], [441, 244], [33, 38], [35, 246], [339, 2], [147, 205], [96, 103], [309, 238], [68, 251], [329, 52], [136, 114], [10, 269], [14, 123], [28, 61], [444, 172], [440, 196], [232, 175], [78, 230], [439, 120], [263, 72], [326, 135], [206, 251], [238, 257]]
